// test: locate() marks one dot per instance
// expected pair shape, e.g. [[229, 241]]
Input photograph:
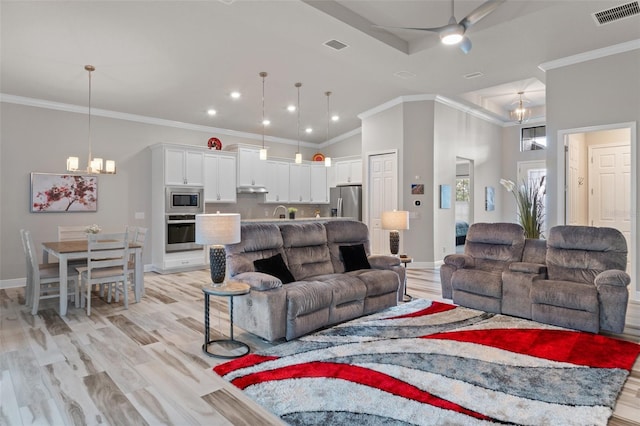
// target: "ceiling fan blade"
[[465, 45], [480, 12], [434, 30]]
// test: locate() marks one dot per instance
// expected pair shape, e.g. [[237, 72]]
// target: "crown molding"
[[59, 106], [436, 98], [590, 55]]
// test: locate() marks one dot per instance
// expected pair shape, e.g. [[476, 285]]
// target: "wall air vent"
[[473, 75], [335, 44], [616, 13]]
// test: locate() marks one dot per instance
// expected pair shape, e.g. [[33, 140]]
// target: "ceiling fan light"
[[451, 38], [452, 34]]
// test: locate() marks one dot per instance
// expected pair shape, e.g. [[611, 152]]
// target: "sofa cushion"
[[502, 242], [484, 283], [343, 233], [305, 245], [580, 253], [258, 241], [275, 266], [377, 281], [565, 294], [308, 305], [259, 281], [354, 257]]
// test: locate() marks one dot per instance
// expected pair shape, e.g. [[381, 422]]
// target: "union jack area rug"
[[426, 363]]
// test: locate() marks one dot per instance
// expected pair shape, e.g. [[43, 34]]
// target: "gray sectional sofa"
[[575, 279], [322, 292]]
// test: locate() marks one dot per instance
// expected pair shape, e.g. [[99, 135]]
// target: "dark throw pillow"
[[354, 257], [275, 266]]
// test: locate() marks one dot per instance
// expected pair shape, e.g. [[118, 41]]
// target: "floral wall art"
[[52, 193]]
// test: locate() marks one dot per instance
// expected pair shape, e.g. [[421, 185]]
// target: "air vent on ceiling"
[[335, 44], [405, 75], [473, 75], [616, 13]]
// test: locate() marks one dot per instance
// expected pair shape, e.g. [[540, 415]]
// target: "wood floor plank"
[[235, 410], [111, 401], [132, 330], [9, 409]]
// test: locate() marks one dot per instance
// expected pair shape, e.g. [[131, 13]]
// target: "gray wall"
[[345, 148]]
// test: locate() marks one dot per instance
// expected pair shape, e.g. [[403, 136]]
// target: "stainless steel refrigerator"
[[346, 201]]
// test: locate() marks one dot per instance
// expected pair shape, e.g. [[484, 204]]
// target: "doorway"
[[382, 195], [599, 169], [534, 172], [464, 200]]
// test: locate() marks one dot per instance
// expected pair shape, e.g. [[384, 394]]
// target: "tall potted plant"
[[529, 197]]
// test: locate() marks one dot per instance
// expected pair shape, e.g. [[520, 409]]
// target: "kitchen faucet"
[[285, 211]]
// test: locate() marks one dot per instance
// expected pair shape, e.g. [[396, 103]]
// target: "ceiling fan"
[[454, 31]]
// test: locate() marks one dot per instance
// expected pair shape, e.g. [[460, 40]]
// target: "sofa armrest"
[[378, 261], [528, 268], [258, 281], [612, 277], [459, 260]]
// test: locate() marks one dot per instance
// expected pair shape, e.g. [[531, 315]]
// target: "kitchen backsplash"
[[252, 206]]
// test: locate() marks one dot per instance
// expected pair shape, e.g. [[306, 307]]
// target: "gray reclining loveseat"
[[575, 279], [328, 282]]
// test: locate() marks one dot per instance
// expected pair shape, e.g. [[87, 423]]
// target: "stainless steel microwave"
[[184, 199]]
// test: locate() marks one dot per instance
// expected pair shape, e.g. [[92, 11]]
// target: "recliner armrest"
[[379, 261], [258, 281], [614, 277], [460, 260], [528, 268]]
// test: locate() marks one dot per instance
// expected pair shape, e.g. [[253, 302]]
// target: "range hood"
[[252, 189]]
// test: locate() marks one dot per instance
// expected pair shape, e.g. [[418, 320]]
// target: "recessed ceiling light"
[[335, 117], [212, 112], [235, 95], [308, 130], [266, 122], [291, 108]]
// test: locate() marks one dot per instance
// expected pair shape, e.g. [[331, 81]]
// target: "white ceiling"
[[174, 60]]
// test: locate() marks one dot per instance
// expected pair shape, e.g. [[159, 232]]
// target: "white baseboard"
[[21, 282], [425, 264]]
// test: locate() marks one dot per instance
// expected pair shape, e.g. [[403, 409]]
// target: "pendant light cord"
[[263, 75], [328, 114], [298, 85], [89, 68]]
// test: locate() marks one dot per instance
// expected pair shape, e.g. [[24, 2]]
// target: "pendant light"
[[263, 151], [327, 160], [298, 154], [94, 165], [521, 114]]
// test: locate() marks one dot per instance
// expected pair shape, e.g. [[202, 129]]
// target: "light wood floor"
[[145, 365]]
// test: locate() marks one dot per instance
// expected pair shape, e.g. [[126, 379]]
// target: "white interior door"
[[383, 196], [610, 189]]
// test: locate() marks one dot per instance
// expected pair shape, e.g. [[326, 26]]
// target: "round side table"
[[405, 260], [225, 348]]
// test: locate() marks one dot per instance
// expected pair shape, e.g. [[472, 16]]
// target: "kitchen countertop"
[[301, 219]]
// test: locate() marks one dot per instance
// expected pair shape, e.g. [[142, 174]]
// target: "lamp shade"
[[218, 228], [395, 220]]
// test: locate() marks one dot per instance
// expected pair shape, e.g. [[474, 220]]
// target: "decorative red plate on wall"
[[318, 156], [215, 143]]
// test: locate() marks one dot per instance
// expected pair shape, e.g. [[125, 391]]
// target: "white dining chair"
[[107, 265], [68, 233], [43, 280], [29, 282]]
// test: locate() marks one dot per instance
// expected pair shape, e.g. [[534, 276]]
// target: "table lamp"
[[394, 221], [217, 230]]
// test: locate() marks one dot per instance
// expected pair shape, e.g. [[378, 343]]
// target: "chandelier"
[[520, 114], [94, 165]]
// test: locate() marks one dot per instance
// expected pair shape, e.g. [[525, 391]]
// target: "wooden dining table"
[[79, 249]]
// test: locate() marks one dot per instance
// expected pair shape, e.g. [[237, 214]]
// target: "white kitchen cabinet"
[[318, 184], [183, 167], [251, 170], [277, 175], [219, 178], [299, 183], [348, 172]]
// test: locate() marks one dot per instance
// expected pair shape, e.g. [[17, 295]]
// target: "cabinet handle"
[[277, 198]]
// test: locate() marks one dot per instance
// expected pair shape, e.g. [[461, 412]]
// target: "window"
[[462, 189], [533, 138]]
